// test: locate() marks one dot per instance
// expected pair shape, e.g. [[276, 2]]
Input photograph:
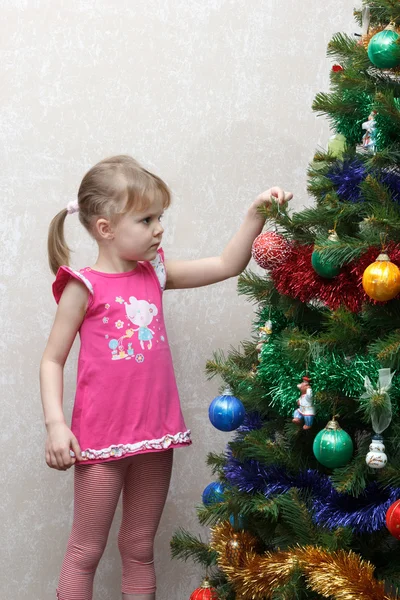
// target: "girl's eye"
[[146, 220], [160, 217]]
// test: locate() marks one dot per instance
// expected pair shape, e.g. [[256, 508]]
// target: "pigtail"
[[58, 251]]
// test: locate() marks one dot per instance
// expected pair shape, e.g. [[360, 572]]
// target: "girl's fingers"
[[60, 460], [279, 194], [53, 461], [288, 196], [76, 449]]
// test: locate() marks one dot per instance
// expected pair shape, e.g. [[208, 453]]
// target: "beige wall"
[[215, 96]]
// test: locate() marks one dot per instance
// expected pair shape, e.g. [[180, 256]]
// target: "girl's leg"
[[97, 489], [145, 491]]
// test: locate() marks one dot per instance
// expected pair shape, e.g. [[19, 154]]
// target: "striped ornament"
[[205, 592]]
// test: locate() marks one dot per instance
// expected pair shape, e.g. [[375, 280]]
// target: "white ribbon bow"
[[380, 418]]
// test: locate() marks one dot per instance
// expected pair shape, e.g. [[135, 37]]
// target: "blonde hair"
[[110, 189]]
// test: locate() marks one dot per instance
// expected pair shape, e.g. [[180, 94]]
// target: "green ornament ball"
[[383, 49], [322, 266], [333, 447]]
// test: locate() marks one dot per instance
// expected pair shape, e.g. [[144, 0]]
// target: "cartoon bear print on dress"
[[141, 313]]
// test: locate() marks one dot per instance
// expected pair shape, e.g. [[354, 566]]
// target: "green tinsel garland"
[[331, 373]]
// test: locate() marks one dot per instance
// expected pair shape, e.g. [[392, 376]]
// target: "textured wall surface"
[[215, 96]]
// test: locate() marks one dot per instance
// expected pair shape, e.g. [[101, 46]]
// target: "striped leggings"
[[144, 482]]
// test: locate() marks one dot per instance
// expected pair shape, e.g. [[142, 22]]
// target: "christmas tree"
[[306, 498]]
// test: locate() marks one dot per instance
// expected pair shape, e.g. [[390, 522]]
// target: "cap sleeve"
[[158, 265], [64, 274]]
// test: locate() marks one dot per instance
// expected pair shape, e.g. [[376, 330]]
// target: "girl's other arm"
[[69, 316], [234, 258]]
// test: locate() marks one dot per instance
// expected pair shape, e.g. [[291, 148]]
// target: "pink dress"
[[126, 399]]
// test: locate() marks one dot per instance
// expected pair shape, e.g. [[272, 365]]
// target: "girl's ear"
[[103, 229]]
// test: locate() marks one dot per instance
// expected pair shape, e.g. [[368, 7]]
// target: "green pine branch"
[[338, 539], [214, 513], [388, 106], [385, 158], [387, 350], [185, 545], [227, 368], [344, 330], [352, 478], [216, 462], [260, 446], [295, 521], [344, 48], [299, 346], [258, 288], [295, 588], [382, 12], [343, 251], [381, 319]]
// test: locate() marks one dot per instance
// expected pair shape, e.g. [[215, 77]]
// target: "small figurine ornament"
[[264, 334], [305, 410], [369, 137], [376, 457]]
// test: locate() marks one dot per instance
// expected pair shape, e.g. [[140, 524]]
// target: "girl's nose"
[[159, 230]]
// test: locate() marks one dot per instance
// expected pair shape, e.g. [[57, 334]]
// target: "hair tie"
[[72, 207]]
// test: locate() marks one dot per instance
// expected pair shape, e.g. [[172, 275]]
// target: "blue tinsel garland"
[[348, 175], [364, 514]]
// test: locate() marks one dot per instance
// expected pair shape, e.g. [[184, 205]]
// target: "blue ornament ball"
[[226, 412], [213, 493]]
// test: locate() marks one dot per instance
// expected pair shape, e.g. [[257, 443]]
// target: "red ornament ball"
[[205, 592], [337, 68], [269, 250], [393, 519]]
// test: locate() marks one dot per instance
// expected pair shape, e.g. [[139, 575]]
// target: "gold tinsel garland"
[[337, 575]]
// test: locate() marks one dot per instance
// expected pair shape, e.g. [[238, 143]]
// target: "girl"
[[127, 417]]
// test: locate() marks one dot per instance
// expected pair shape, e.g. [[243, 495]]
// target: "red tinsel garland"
[[295, 277]]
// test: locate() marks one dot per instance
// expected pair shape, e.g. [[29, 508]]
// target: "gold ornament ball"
[[235, 551], [381, 280]]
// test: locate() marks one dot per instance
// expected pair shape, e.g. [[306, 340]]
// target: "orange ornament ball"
[[393, 519], [381, 280]]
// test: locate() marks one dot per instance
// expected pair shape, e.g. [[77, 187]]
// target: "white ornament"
[[376, 457]]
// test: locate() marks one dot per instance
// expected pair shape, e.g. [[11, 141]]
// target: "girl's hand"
[[267, 197], [59, 443]]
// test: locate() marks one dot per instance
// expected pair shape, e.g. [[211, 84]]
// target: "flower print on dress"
[[105, 319], [139, 358], [119, 300], [117, 346], [107, 306], [119, 324], [141, 313]]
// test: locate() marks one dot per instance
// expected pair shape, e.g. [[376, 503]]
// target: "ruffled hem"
[[119, 450]]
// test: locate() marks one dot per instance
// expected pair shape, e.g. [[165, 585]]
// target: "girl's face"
[[138, 235]]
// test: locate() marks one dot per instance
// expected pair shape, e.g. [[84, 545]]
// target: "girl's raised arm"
[[234, 258]]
